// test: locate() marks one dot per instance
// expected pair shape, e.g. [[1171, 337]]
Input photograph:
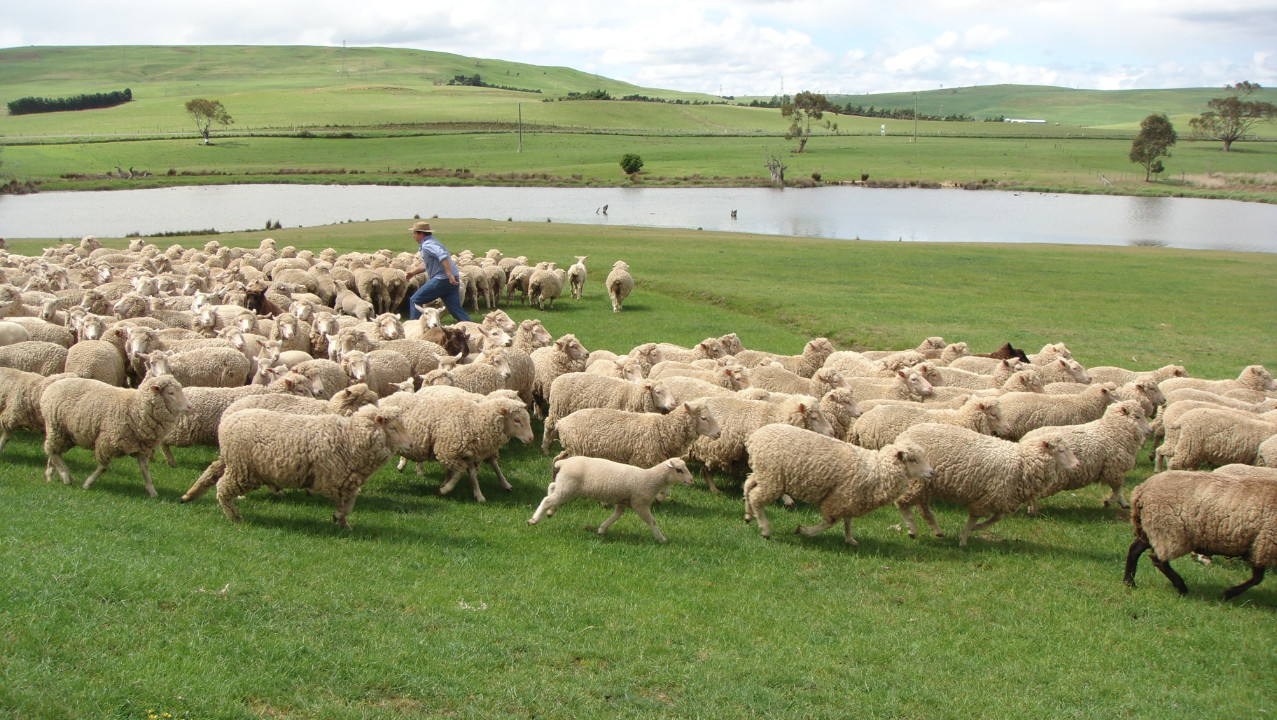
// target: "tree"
[[806, 106], [1153, 142], [775, 166], [1230, 118], [205, 113], [631, 163]]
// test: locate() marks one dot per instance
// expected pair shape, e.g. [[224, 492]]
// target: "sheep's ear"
[[155, 387], [802, 407], [688, 406], [902, 374], [901, 456], [505, 411]]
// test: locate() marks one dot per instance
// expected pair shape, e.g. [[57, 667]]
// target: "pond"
[[909, 215]]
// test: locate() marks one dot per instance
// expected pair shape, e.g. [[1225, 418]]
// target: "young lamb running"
[[333, 455], [1181, 511], [987, 475], [842, 480], [611, 483], [110, 421]]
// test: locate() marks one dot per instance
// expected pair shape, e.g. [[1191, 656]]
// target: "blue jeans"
[[438, 288]]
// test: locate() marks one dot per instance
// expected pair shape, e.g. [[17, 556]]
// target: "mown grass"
[[116, 605]]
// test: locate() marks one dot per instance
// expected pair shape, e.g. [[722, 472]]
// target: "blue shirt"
[[433, 253]]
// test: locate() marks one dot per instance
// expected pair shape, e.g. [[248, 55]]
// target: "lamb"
[[806, 364], [737, 418], [460, 430], [987, 475], [843, 480], [1106, 450], [1218, 436], [619, 284], [205, 367], [198, 426], [111, 421], [350, 303], [635, 438], [330, 454], [20, 401], [1028, 411], [44, 358], [1180, 511], [576, 391], [881, 425], [577, 275], [564, 356], [778, 379], [1253, 377], [611, 483]]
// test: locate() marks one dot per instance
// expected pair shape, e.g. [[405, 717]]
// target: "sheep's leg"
[[645, 512], [846, 532], [1170, 573], [1132, 560], [1159, 457], [403, 463], [206, 480], [1116, 497], [547, 437], [709, 478], [345, 503], [449, 481], [816, 529], [97, 473], [787, 500], [58, 465], [226, 492], [1256, 576], [758, 509], [911, 523], [603, 526], [1032, 508], [545, 508], [930, 517], [474, 483], [4, 439], [496, 467], [168, 455], [144, 462], [972, 526]]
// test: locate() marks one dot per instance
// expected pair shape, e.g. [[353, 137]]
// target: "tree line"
[[88, 101], [780, 101]]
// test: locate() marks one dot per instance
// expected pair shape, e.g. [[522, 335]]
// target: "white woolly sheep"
[[576, 391], [1050, 352], [20, 401], [987, 475], [738, 418], [1121, 376], [641, 439], [881, 425], [110, 421], [842, 480], [564, 356], [44, 358], [955, 377], [99, 360], [205, 367], [11, 332], [330, 454], [619, 284], [905, 385], [1063, 370], [577, 275], [611, 483], [733, 377], [460, 430], [379, 369], [778, 379], [707, 349], [546, 286], [1180, 511], [1218, 436], [617, 367], [812, 358], [1028, 411], [489, 372], [1253, 377], [1106, 450]]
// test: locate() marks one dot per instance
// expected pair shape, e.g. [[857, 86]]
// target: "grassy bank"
[[117, 605]]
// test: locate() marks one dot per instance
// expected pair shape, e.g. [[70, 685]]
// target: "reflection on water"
[[848, 213]]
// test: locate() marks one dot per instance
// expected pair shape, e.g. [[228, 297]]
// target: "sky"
[[746, 47]]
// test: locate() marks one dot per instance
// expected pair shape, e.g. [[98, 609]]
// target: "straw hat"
[[421, 226]]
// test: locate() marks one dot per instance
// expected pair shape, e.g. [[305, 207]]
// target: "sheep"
[[564, 356], [460, 430], [611, 483], [111, 421], [350, 303], [517, 278], [98, 359], [577, 275], [546, 286], [422, 356], [575, 391], [709, 348], [344, 402], [987, 475], [1218, 436], [619, 284], [690, 388], [11, 332], [326, 377], [812, 358], [1063, 370], [737, 418], [204, 367], [1121, 376], [489, 372], [1179, 511], [330, 454], [20, 401], [843, 480], [905, 385], [778, 379], [492, 281], [37, 356], [1027, 411], [881, 425], [530, 335], [1106, 450], [1253, 377], [1144, 391], [1267, 455], [1050, 352], [198, 426], [732, 377], [955, 377], [379, 369], [635, 438], [624, 368]]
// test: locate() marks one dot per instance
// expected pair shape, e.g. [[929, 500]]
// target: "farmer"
[[443, 282]]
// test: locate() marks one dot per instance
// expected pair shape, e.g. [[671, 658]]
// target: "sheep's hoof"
[[185, 499]]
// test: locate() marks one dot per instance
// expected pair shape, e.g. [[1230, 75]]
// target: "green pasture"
[[116, 605]]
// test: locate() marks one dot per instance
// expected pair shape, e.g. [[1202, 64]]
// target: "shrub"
[[631, 163]]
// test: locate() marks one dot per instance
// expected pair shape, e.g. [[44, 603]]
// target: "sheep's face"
[[678, 469], [914, 459], [498, 318], [706, 424], [738, 376], [1153, 392], [992, 410], [500, 364], [1063, 454], [517, 424], [355, 364], [662, 398], [815, 420], [918, 385], [348, 400], [389, 327], [629, 370], [170, 392], [1258, 376]]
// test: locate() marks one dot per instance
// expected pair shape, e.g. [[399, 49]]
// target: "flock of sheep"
[[298, 369]]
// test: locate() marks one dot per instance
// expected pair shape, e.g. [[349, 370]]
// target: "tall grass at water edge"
[[116, 605]]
